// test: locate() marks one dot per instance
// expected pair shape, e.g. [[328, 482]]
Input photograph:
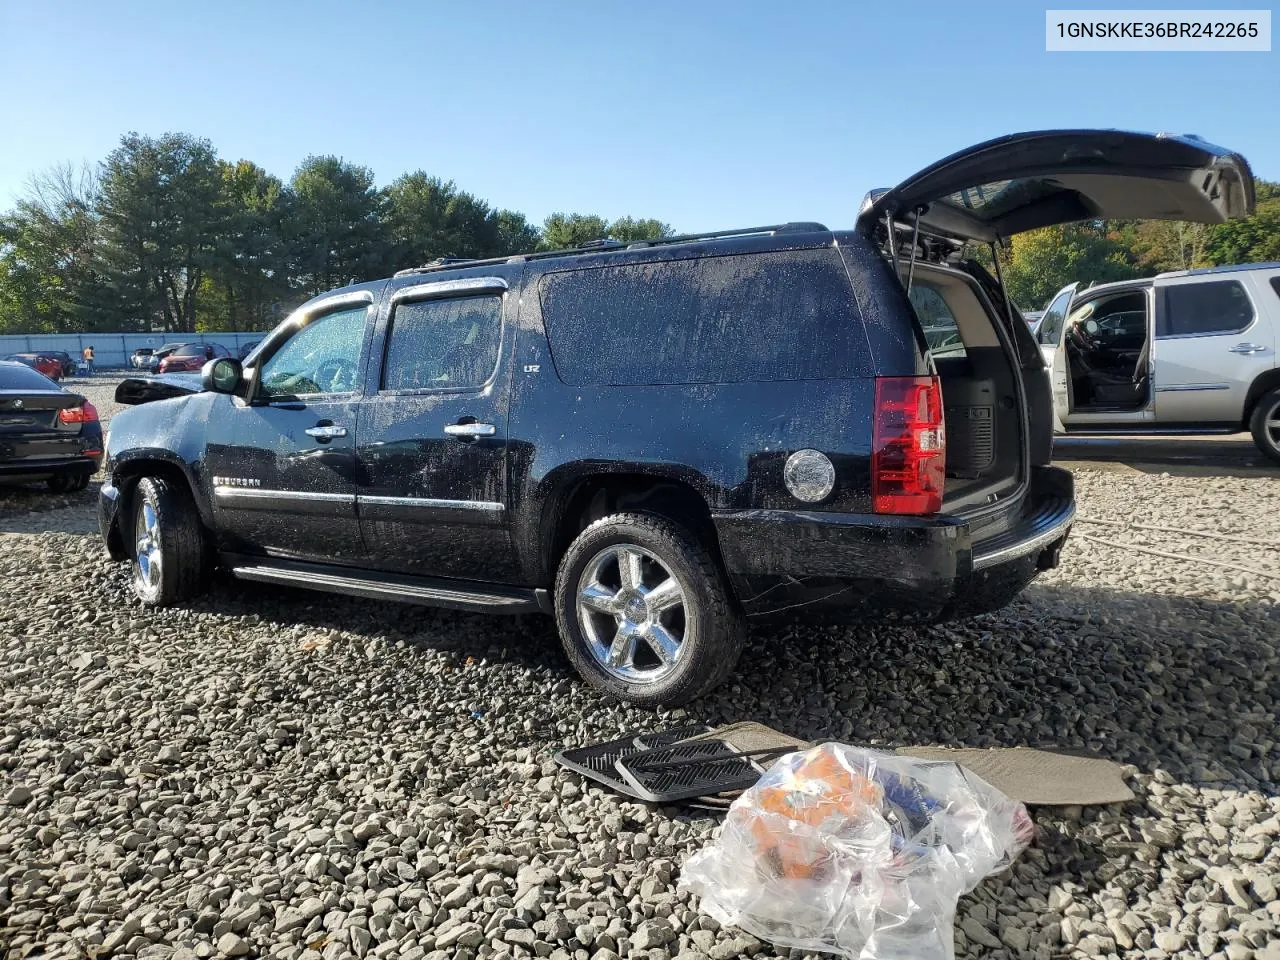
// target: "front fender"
[[164, 436]]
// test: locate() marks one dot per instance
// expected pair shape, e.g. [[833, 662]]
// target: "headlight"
[[809, 475]]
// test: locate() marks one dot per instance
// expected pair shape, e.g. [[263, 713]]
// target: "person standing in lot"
[[87, 355]]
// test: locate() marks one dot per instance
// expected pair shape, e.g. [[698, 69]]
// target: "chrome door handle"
[[326, 433], [1247, 348], [469, 430]]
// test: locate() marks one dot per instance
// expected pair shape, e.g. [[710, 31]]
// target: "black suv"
[[659, 441]]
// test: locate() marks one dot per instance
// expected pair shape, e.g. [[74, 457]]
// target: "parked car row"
[[184, 357]]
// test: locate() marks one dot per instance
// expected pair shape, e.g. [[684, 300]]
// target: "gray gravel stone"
[[17, 796], [233, 945], [178, 779]]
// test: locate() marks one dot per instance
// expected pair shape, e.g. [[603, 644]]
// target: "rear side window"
[[756, 317], [937, 321], [16, 376], [443, 344], [1275, 285], [1202, 309]]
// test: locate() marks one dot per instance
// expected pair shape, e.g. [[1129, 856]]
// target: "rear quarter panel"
[[728, 442]]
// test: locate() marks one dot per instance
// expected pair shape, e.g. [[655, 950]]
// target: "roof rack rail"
[[604, 243], [436, 263], [1225, 268], [609, 245]]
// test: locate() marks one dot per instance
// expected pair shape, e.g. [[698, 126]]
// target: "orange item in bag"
[[816, 791]]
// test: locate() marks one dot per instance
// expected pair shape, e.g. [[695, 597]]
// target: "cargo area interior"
[[979, 388]]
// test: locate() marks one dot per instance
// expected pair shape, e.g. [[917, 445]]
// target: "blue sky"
[[705, 114]]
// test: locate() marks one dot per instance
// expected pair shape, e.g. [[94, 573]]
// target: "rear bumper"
[[844, 566], [41, 468]]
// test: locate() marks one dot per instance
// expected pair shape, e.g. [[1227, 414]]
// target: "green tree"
[[629, 230], [1159, 245], [563, 231], [513, 234], [1254, 239], [332, 225], [47, 254], [1043, 261], [427, 217], [162, 220], [250, 271]]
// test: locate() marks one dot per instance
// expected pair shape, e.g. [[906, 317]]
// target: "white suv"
[[1188, 350]]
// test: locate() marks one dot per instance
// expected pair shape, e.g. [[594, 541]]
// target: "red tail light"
[[909, 455], [85, 413]]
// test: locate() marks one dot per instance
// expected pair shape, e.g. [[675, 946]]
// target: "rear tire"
[[168, 548], [644, 612], [1265, 424]]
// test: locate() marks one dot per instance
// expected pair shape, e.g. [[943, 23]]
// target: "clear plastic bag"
[[857, 852]]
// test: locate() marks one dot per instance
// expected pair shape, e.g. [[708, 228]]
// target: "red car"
[[192, 357], [50, 366]]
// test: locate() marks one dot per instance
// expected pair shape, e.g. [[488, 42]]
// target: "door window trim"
[[464, 289], [300, 318], [1069, 292], [1163, 307]]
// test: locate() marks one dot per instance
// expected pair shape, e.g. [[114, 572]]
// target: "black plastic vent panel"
[[598, 761], [971, 440], [672, 773]]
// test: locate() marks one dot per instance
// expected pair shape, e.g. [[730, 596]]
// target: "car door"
[[1213, 338], [1049, 334], [282, 461], [432, 433]]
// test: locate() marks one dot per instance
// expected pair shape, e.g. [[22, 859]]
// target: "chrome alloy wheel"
[[631, 608], [1271, 423], [147, 556]]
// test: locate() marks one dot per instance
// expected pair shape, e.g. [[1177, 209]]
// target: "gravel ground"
[[270, 773]]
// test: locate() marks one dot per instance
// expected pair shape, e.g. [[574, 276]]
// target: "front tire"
[[644, 612], [168, 544], [1265, 424]]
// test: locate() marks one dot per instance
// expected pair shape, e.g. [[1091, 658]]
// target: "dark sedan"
[[46, 433]]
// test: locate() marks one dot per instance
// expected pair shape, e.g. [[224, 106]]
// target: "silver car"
[[1187, 350]]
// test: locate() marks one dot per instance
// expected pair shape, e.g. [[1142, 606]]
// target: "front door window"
[[322, 358]]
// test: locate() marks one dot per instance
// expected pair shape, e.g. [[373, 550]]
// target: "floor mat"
[[1037, 777], [597, 761], [748, 736]]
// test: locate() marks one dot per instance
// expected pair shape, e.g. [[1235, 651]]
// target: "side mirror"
[[223, 375]]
